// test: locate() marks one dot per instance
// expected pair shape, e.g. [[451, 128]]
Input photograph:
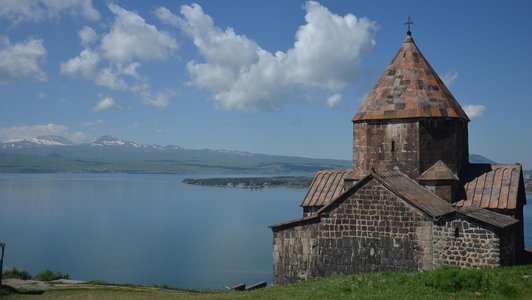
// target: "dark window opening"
[[456, 232], [393, 146]]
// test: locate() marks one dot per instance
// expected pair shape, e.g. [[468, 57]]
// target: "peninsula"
[[254, 182]]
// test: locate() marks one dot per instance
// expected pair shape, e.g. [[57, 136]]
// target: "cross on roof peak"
[[408, 23]]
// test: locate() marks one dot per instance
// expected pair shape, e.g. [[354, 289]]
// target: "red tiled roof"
[[326, 186], [409, 88], [493, 186]]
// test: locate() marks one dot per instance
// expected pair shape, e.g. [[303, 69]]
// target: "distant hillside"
[[50, 154], [109, 154], [479, 159]]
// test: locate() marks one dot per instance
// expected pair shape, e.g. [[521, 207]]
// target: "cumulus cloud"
[[474, 111], [84, 65], [115, 61], [449, 78], [17, 11], [166, 16], [87, 35], [132, 38], [31, 131], [104, 104], [110, 78], [21, 60], [336, 101], [326, 54]]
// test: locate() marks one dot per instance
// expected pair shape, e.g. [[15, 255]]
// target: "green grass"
[[16, 273], [48, 275], [445, 283]]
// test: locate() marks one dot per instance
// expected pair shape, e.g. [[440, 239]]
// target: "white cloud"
[[87, 35], [160, 99], [115, 62], [326, 54], [328, 48], [336, 101], [110, 78], [129, 69], [21, 60], [84, 65], [474, 111], [41, 95], [104, 104], [132, 38], [166, 16], [17, 11], [31, 131], [135, 125], [449, 78]]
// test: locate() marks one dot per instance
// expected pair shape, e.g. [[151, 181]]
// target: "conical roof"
[[409, 88]]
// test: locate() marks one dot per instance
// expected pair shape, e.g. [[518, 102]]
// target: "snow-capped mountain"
[[108, 140], [102, 143], [40, 141]]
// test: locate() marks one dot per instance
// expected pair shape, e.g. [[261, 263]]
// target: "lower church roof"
[[326, 186], [328, 190], [492, 186], [488, 216], [406, 188]]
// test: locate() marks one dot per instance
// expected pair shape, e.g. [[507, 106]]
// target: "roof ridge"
[[435, 207]]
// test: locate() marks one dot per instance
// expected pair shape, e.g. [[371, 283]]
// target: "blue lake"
[[146, 229]]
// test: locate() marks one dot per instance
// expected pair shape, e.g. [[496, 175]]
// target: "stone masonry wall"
[[443, 139], [372, 230], [385, 145], [294, 253], [465, 244], [509, 248], [411, 145]]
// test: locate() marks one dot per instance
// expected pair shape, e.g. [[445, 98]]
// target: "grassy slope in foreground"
[[445, 283]]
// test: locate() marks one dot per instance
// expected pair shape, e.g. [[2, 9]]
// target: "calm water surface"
[[146, 229], [149, 229]]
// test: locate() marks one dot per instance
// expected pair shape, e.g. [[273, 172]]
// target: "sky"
[[274, 77]]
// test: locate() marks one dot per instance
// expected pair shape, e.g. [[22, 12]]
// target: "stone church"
[[412, 200]]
